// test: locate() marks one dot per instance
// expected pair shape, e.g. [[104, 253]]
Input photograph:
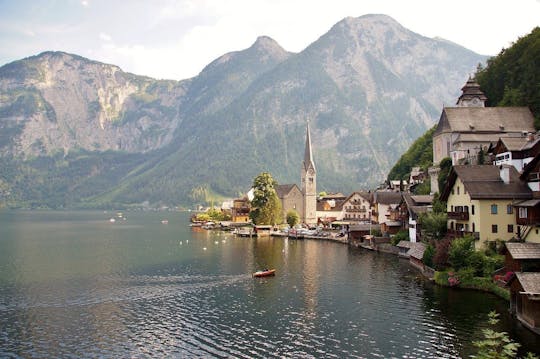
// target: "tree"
[[445, 166], [433, 225], [266, 204], [292, 218], [460, 252]]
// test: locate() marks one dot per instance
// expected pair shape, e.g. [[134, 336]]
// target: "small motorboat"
[[265, 273]]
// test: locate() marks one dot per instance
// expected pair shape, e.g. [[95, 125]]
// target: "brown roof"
[[512, 119], [530, 281], [523, 250], [484, 182], [338, 205], [518, 143], [387, 197], [417, 250], [422, 199], [405, 244]]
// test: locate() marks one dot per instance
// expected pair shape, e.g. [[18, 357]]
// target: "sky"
[[176, 39]]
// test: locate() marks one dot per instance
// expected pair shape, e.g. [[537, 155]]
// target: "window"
[[494, 228], [457, 189], [522, 212], [510, 228], [494, 209], [509, 209], [473, 227], [472, 210]]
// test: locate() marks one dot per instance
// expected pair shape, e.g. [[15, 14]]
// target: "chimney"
[[505, 173]]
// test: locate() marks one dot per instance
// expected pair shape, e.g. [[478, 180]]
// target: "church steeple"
[[308, 155], [309, 183]]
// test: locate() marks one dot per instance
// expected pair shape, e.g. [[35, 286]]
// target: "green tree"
[[427, 259], [266, 204], [433, 225], [292, 218], [460, 251], [445, 166]]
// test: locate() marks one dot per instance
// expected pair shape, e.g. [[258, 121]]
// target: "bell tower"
[[309, 183]]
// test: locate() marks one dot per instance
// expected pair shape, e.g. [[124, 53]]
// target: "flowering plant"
[[452, 279]]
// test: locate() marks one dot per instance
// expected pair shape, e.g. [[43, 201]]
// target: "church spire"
[[308, 155]]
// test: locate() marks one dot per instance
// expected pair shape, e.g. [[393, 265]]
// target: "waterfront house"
[[525, 299], [404, 247], [385, 202], [522, 257], [240, 210], [480, 201], [415, 205], [330, 208], [416, 254], [357, 207]]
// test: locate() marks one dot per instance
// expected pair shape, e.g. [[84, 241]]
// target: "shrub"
[[428, 255], [402, 235]]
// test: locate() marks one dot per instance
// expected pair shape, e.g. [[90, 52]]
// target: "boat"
[[265, 273]]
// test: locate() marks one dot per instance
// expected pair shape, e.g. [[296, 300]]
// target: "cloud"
[[105, 37], [85, 3]]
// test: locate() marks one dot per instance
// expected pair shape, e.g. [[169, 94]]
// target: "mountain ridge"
[[244, 113]]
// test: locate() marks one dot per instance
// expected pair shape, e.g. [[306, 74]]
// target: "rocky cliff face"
[[369, 87], [57, 101]]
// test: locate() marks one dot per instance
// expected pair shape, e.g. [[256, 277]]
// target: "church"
[[303, 200]]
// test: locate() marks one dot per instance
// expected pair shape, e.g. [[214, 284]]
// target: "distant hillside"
[[420, 154], [79, 133]]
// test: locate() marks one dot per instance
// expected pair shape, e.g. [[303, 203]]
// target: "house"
[[525, 299], [516, 151], [416, 254], [240, 210], [404, 247], [415, 206], [480, 201], [330, 208], [357, 207], [385, 202], [528, 211], [464, 130], [522, 257]]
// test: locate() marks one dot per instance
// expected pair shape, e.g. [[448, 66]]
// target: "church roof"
[[284, 189], [485, 119]]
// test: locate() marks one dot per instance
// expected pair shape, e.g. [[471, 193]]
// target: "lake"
[[73, 284]]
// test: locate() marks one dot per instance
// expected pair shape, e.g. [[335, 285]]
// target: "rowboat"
[[265, 273]]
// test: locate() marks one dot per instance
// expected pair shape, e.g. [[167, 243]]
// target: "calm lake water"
[[72, 284]]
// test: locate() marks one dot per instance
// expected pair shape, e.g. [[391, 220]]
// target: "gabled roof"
[[405, 244], [485, 119], [387, 197], [523, 250], [337, 208], [530, 167], [417, 250], [284, 189], [530, 281], [515, 144], [484, 182], [365, 195]]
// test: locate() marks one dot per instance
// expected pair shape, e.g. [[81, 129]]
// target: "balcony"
[[361, 210], [459, 216]]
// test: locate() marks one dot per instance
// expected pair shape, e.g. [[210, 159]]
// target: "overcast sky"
[[175, 39]]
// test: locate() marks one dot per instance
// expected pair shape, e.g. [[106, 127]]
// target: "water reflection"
[[141, 289]]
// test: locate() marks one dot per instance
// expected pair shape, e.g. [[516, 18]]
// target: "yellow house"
[[480, 201]]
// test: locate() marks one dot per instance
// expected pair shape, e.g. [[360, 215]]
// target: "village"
[[490, 193]]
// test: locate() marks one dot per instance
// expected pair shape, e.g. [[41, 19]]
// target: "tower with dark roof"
[[309, 183], [471, 95]]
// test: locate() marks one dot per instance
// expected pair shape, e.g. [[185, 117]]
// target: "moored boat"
[[265, 273]]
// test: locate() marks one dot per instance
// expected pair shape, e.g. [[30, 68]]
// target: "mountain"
[[369, 88]]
